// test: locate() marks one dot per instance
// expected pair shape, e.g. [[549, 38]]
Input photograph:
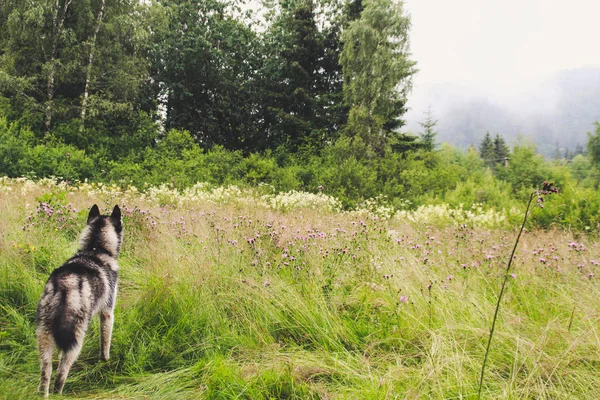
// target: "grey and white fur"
[[82, 287]]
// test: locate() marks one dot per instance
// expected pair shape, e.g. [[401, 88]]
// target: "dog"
[[82, 287]]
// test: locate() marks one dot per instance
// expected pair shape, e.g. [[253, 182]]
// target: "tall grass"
[[228, 300]]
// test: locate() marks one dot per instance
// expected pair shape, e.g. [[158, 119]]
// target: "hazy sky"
[[501, 46]]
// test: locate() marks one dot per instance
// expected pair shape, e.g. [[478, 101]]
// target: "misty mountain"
[[556, 114]]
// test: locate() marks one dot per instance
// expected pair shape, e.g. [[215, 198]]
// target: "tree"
[[204, 71], [486, 150], [593, 145], [59, 12], [501, 150], [88, 72], [377, 71], [494, 152], [302, 77], [64, 62], [526, 168], [429, 133]]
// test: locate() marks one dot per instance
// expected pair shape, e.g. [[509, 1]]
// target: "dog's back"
[[73, 294], [83, 286]]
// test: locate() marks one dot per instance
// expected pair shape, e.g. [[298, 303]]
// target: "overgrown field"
[[227, 295]]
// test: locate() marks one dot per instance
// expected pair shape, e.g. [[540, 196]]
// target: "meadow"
[[225, 293]]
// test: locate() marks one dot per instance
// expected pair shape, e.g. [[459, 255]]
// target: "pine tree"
[[501, 150], [486, 150], [303, 105], [429, 133]]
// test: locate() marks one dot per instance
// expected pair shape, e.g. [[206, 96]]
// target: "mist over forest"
[[555, 115]]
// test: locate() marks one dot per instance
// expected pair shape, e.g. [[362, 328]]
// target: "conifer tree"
[[486, 150], [501, 150], [429, 133]]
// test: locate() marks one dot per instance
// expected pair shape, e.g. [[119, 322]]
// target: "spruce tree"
[[429, 133], [501, 150], [486, 150]]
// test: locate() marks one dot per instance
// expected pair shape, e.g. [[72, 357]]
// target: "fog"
[[509, 66]]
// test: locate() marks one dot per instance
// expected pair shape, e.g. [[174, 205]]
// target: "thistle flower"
[[547, 189]]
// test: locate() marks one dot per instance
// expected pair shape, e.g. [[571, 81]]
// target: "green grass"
[[318, 305]]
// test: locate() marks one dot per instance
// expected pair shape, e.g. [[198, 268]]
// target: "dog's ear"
[[94, 213], [116, 215]]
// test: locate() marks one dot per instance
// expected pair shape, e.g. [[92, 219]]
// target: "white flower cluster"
[[378, 207], [294, 200], [443, 214], [203, 192]]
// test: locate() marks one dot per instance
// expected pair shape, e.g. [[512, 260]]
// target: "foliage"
[[495, 153], [429, 133], [377, 71], [303, 80], [44, 53], [204, 64], [23, 155], [593, 145]]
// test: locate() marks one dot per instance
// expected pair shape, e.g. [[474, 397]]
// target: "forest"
[[306, 95]]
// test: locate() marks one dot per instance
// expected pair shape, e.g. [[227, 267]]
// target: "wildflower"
[[547, 189], [514, 276], [543, 260], [403, 299]]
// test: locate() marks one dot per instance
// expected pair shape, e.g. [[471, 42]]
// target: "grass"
[[222, 300]]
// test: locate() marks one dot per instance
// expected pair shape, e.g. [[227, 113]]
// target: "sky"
[[501, 47]]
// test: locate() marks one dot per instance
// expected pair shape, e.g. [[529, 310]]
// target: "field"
[[225, 294]]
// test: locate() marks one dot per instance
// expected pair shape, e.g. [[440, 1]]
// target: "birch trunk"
[[88, 74], [58, 22]]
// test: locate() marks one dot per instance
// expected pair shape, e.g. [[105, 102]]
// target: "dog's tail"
[[67, 324], [64, 332]]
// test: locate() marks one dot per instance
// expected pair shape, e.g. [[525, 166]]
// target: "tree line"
[[100, 74], [308, 96]]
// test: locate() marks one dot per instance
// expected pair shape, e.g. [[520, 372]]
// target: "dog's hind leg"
[[66, 361], [106, 324], [46, 348]]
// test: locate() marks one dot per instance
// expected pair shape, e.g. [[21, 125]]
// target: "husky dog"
[[82, 287]]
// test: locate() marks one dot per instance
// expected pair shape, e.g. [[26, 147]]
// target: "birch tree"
[[377, 71], [88, 73], [58, 21]]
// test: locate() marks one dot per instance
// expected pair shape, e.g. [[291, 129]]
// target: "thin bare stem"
[[512, 256]]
